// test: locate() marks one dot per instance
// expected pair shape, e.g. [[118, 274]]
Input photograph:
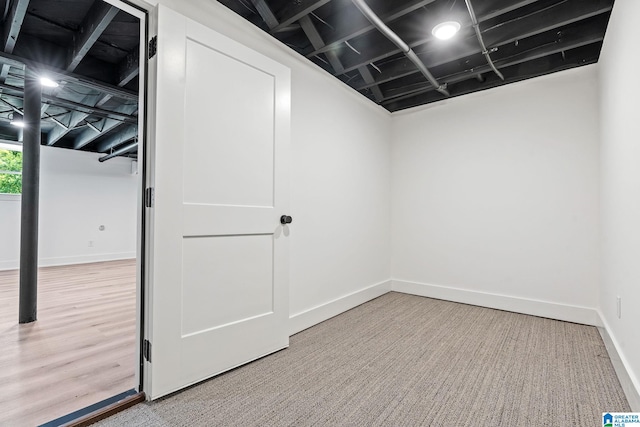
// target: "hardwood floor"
[[81, 349]]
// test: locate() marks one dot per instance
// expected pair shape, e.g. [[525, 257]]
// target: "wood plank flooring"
[[81, 350]]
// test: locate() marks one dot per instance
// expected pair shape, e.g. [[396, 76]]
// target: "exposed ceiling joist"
[[519, 35], [76, 106], [561, 14], [492, 9], [508, 33], [4, 72], [112, 141], [74, 118], [294, 10], [91, 49], [19, 110], [348, 30], [541, 66], [314, 37], [11, 31], [87, 136], [265, 12], [12, 106], [528, 49], [97, 20], [61, 75], [13, 24], [567, 44], [401, 44], [367, 77], [17, 93], [128, 69]]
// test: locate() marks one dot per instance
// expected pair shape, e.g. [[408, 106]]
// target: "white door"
[[219, 136]]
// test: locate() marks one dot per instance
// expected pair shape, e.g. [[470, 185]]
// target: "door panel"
[[217, 289], [219, 294], [243, 155]]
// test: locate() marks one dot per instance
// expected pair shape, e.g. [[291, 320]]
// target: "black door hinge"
[[149, 197], [146, 350], [153, 46]]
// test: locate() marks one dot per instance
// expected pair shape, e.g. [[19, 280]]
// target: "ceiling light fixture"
[[19, 122], [446, 30], [45, 81]]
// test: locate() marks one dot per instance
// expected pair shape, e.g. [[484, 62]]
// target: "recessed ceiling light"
[[45, 81], [446, 30]]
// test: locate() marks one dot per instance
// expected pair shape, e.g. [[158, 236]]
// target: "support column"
[[30, 199]]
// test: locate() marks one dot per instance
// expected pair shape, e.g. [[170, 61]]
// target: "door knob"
[[285, 219]]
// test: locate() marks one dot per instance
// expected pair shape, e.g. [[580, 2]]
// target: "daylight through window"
[[10, 170]]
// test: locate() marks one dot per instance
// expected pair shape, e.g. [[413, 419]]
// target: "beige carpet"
[[403, 360]]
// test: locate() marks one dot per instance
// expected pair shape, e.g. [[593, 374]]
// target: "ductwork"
[[388, 32]]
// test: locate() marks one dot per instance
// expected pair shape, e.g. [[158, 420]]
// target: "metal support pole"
[[30, 197]]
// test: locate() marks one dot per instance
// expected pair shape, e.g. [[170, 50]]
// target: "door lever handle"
[[285, 219]]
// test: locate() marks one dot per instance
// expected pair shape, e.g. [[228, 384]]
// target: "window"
[[10, 169]]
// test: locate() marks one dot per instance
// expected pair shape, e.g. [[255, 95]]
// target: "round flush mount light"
[[45, 81], [446, 30]]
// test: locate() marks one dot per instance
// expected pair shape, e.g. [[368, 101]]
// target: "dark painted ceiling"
[[91, 49], [524, 39]]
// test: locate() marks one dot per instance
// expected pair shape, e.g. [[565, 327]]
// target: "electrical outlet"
[[619, 307], [90, 243]]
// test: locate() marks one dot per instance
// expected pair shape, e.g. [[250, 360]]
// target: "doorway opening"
[[82, 345]]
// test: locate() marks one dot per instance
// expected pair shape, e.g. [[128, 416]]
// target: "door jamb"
[[142, 11]]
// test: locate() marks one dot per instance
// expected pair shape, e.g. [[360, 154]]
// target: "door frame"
[[140, 10]]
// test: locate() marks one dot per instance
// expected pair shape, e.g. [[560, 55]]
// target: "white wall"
[[77, 195], [497, 192], [339, 177], [620, 185], [9, 231]]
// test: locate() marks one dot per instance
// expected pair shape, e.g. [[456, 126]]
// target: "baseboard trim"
[[8, 265], [300, 321], [70, 260], [630, 384], [568, 313]]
